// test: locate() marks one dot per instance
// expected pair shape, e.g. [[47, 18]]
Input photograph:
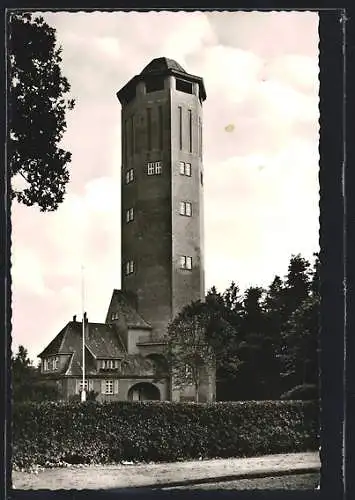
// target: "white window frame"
[[154, 168], [55, 363], [158, 168], [186, 208], [86, 385], [185, 262], [109, 386], [185, 168], [129, 215], [129, 176], [79, 385], [45, 365], [129, 267]]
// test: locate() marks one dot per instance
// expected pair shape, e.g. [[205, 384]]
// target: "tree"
[[37, 112], [299, 357], [300, 338], [297, 284], [27, 383], [254, 349], [188, 351]]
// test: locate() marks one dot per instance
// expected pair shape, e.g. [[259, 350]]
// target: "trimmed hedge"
[[49, 434]]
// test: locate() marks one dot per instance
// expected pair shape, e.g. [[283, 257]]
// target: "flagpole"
[[83, 392]]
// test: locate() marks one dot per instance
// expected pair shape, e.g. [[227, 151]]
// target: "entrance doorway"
[[144, 391]]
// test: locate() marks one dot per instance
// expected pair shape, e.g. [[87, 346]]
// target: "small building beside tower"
[[162, 247]]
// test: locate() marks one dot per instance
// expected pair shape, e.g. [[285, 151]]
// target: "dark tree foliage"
[[188, 351], [300, 341], [38, 104], [274, 335], [297, 284], [27, 382]]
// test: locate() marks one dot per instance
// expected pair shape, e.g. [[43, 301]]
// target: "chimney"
[[85, 317], [74, 318]]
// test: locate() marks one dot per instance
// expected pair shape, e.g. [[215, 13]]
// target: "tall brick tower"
[[162, 190]]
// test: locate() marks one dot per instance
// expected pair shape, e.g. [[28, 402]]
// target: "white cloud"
[[26, 271], [261, 179]]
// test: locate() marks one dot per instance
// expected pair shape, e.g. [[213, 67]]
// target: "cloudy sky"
[[260, 156]]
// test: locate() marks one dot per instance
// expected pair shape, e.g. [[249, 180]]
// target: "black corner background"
[[349, 177], [331, 148]]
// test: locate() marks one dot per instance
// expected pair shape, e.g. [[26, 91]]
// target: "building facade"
[[162, 190], [162, 237]]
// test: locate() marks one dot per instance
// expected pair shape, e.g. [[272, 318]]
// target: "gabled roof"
[[55, 346], [102, 340], [121, 303]]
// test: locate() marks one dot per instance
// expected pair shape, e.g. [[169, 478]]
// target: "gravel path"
[[159, 475], [288, 482]]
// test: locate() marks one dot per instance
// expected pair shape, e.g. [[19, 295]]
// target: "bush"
[[48, 434], [305, 392]]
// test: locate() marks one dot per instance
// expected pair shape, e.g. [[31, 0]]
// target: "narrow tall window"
[[190, 131], [199, 137], [125, 141], [200, 130], [132, 136], [161, 128], [129, 267], [185, 208], [149, 129], [108, 386], [180, 128], [185, 262], [129, 176], [185, 168], [129, 215], [136, 133]]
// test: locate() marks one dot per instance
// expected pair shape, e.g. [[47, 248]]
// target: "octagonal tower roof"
[[162, 65], [159, 66]]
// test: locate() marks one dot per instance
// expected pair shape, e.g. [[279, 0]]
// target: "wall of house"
[[121, 388], [62, 362], [134, 336], [152, 348]]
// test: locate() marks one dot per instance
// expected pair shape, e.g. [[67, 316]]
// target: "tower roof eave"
[[121, 94]]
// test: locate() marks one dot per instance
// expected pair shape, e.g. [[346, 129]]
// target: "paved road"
[[166, 474]]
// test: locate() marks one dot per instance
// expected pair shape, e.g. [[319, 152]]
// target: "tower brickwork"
[[162, 249]]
